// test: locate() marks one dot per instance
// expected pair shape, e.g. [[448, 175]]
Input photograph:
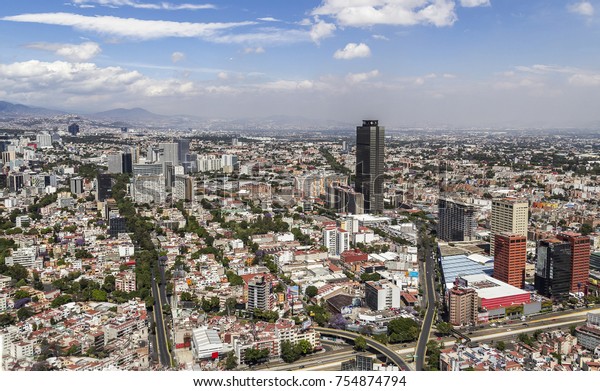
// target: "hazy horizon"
[[463, 63]]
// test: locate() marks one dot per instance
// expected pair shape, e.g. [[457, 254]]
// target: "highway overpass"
[[371, 343]]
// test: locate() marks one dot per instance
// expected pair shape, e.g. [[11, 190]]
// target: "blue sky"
[[407, 62]]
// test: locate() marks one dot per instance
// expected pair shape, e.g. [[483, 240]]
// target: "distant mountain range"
[[136, 114], [18, 110], [139, 116]]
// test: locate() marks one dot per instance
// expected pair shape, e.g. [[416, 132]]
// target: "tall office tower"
[[183, 149], [126, 163], [77, 185], [169, 153], [457, 220], [510, 259], [508, 215], [183, 189], [15, 182], [344, 199], [115, 163], [553, 268], [580, 259], [370, 139], [73, 129], [103, 187], [463, 303], [259, 291]]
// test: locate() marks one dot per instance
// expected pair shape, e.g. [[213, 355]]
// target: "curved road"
[[430, 297], [389, 353]]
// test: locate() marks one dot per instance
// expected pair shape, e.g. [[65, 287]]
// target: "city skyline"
[[409, 63]]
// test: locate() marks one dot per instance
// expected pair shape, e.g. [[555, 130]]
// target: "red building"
[[510, 256], [580, 259]]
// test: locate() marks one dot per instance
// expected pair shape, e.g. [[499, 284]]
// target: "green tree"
[[254, 356], [230, 361], [288, 353], [403, 330], [60, 300], [21, 295], [501, 346], [186, 296], [24, 313], [311, 291], [304, 347], [444, 328], [360, 343], [99, 295]]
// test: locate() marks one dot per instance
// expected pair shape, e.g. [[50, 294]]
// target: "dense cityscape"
[[247, 194], [200, 250]]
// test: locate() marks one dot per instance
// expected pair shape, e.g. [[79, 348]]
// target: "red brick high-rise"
[[580, 259], [510, 257]]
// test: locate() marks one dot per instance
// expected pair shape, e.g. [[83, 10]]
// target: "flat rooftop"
[[461, 265], [490, 288]]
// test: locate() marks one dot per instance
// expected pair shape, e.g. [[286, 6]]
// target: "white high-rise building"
[[115, 163], [382, 295], [149, 188], [509, 215], [336, 240], [43, 140], [170, 153]]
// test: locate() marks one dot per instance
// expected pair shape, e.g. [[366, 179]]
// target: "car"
[[301, 366], [525, 324]]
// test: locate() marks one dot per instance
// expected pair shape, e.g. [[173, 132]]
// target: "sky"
[[461, 63]]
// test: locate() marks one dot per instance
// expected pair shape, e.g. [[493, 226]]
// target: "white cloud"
[[584, 8], [61, 80], [135, 4], [257, 50], [352, 50], [223, 75], [321, 29], [128, 27], [361, 13], [177, 56], [475, 3], [585, 80], [360, 77], [269, 19], [82, 52], [380, 37]]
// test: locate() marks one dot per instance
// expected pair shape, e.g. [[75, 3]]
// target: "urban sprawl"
[[130, 248]]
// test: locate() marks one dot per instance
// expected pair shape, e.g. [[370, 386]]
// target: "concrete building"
[[77, 185], [183, 188], [580, 259], [457, 220], [510, 258], [382, 295], [370, 154], [588, 335], [344, 199], [206, 344], [149, 188], [336, 240], [259, 291], [43, 140], [73, 129], [463, 305], [170, 153], [508, 215]]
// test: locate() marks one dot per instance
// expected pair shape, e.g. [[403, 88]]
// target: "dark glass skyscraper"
[[370, 138], [553, 268]]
